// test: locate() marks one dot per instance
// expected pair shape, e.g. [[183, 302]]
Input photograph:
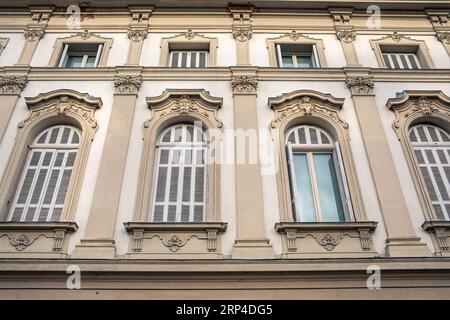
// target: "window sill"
[[440, 229], [35, 239], [162, 240], [314, 239]]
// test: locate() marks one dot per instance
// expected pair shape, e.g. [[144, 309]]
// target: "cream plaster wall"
[[13, 49]]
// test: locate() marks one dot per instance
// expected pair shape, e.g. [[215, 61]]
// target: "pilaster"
[[251, 241], [12, 82], [439, 20], [34, 32], [242, 32], [401, 238], [137, 32], [346, 33], [98, 241]]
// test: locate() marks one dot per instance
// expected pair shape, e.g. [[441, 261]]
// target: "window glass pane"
[[194, 59], [404, 64], [304, 61], [202, 60], [174, 59], [90, 63], [386, 60], [394, 60], [330, 199], [304, 188], [413, 62], [287, 61], [183, 60], [74, 62]]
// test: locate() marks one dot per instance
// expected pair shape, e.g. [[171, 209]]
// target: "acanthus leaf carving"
[[21, 242], [184, 106], [34, 34], [137, 34], [242, 33], [346, 35], [443, 36], [127, 84], [12, 84], [424, 106], [306, 106], [360, 85], [244, 84], [62, 105]]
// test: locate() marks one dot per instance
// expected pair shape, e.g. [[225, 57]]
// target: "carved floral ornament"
[[137, 34], [12, 84], [244, 84], [127, 84], [346, 35], [306, 105], [181, 103], [33, 34], [443, 36], [22, 241], [81, 106], [360, 85], [242, 34]]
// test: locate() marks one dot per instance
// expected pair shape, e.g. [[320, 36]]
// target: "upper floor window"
[[431, 146], [188, 59], [42, 188], [80, 55], [297, 56], [396, 60], [180, 176], [318, 183]]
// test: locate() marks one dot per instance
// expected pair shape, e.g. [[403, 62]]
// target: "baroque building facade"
[[226, 150]]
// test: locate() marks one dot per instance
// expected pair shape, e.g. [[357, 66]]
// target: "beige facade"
[[240, 79]]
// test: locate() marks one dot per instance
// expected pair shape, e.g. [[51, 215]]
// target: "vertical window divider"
[[99, 53], [63, 59], [315, 187]]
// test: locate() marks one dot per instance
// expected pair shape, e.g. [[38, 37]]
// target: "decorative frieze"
[[242, 34], [184, 106], [33, 34], [127, 84], [137, 34], [12, 85], [244, 84], [360, 85]]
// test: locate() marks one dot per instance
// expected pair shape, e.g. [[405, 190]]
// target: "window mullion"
[[315, 187], [58, 182], [167, 187], [180, 186], [45, 185], [33, 185]]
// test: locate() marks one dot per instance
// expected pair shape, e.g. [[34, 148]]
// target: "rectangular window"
[[77, 55], [297, 56], [188, 59], [401, 61]]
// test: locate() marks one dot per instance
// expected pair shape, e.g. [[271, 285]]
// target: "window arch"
[[179, 192], [319, 188], [42, 189], [431, 146]]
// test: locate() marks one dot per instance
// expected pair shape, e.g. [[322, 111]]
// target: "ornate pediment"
[[186, 103], [306, 102]]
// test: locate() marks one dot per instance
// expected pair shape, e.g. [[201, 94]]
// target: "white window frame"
[[433, 147], [409, 66], [183, 145], [310, 149], [188, 58], [45, 148], [313, 55], [66, 54]]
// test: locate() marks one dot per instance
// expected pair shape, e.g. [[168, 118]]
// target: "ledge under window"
[[319, 239], [163, 240], [35, 239]]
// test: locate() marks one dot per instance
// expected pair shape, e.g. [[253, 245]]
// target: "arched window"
[[45, 179], [318, 182], [431, 146], [179, 193]]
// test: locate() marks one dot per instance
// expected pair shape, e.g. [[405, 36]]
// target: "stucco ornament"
[[12, 84], [244, 84], [33, 34], [184, 106], [443, 36], [137, 34], [242, 34], [360, 85], [346, 35], [190, 34], [127, 84], [329, 242], [21, 242]]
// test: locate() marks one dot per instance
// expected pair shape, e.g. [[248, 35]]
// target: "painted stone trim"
[[125, 84], [244, 84], [443, 36], [360, 85], [12, 85]]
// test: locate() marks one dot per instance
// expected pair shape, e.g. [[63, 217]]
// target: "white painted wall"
[[13, 49]]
